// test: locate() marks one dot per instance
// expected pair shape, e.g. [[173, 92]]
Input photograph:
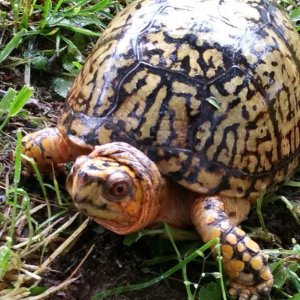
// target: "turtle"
[[184, 112]]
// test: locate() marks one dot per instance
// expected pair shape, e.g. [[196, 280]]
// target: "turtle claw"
[[242, 292]]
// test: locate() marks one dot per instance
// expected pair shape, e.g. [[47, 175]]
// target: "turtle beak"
[[70, 184]]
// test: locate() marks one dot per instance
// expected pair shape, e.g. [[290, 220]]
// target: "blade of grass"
[[293, 183], [80, 30], [26, 13], [7, 100], [46, 11], [57, 6], [17, 104], [258, 209], [179, 258], [71, 44], [12, 44], [29, 222], [96, 7], [17, 176], [40, 180], [20, 100], [52, 290], [292, 208], [5, 254], [220, 266]]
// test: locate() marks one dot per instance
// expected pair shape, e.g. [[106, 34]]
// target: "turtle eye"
[[120, 189], [117, 186]]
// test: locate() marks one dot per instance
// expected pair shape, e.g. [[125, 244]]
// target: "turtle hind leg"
[[48, 147], [243, 260]]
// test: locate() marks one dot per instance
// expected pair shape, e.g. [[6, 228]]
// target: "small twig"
[[15, 294], [81, 262], [42, 234], [52, 290], [32, 211], [30, 274]]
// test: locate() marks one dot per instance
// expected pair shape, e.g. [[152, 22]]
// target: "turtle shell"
[[209, 90]]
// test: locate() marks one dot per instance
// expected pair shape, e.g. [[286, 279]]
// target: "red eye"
[[117, 186], [119, 189]]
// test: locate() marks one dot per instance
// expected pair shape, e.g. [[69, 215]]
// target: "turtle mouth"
[[105, 214], [111, 215]]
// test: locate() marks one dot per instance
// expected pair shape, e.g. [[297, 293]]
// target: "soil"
[[111, 263]]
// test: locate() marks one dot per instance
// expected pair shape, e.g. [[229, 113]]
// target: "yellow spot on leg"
[[225, 225], [216, 233], [251, 245], [235, 265], [246, 257], [239, 231], [241, 247], [266, 274], [231, 239], [227, 251], [256, 263]]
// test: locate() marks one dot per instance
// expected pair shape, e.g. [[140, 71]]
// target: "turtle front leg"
[[243, 260], [49, 147]]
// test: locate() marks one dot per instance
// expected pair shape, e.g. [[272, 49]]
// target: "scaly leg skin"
[[243, 260], [48, 147]]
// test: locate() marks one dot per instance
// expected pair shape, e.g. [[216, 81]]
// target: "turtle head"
[[118, 186]]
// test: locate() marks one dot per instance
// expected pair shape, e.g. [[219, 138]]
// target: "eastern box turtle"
[[183, 113]]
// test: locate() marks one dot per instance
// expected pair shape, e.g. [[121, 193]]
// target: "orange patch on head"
[[133, 206]]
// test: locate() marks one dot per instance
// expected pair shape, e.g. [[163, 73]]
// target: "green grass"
[[35, 34], [53, 39]]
